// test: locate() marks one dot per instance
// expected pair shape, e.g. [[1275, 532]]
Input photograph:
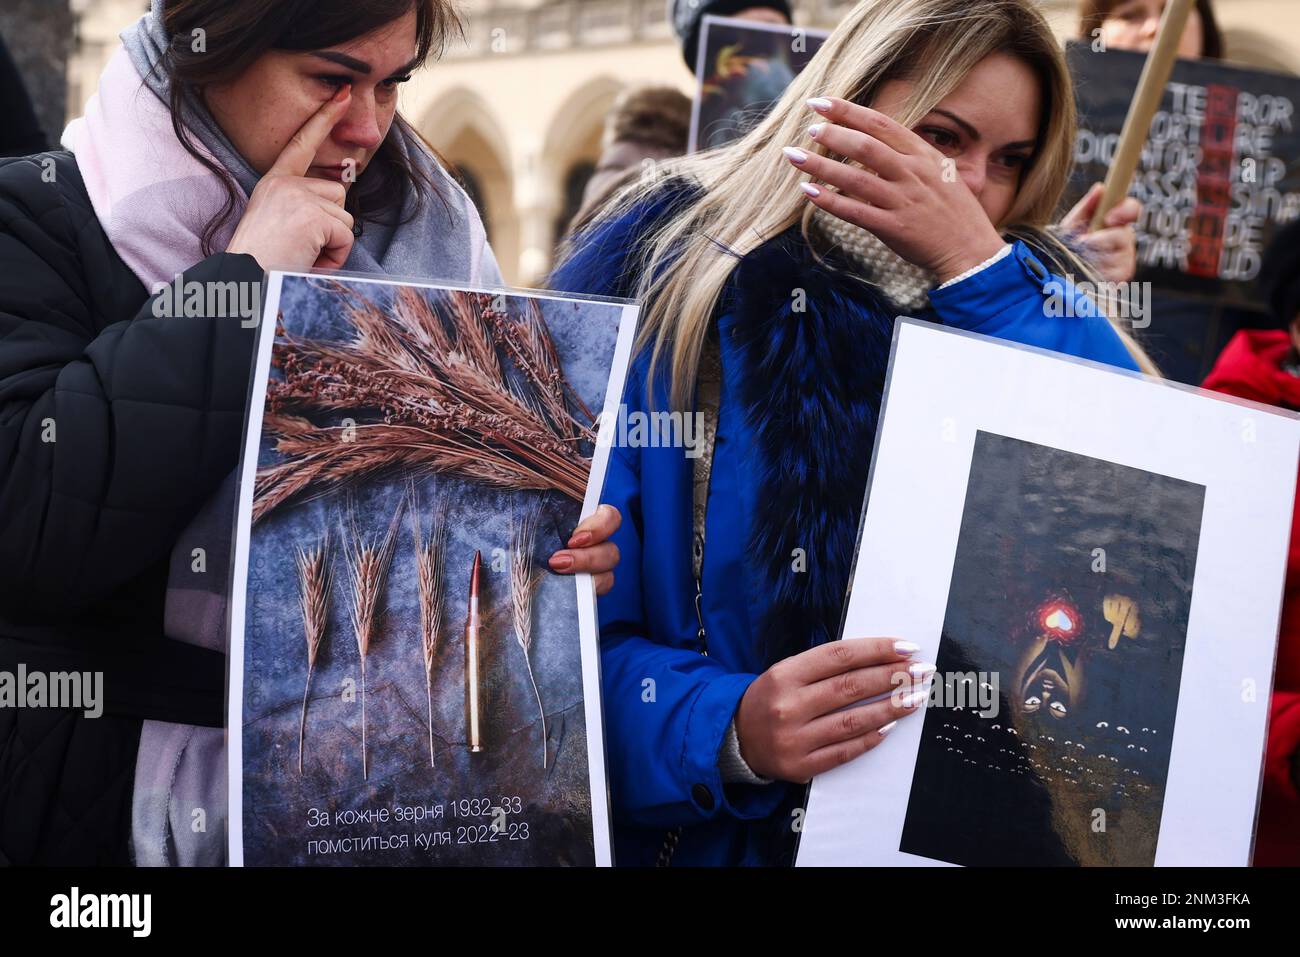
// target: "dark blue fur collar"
[[811, 383]]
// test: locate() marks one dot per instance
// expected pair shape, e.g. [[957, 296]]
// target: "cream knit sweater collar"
[[904, 283]]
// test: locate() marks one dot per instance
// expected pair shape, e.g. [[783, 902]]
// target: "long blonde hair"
[[749, 192]]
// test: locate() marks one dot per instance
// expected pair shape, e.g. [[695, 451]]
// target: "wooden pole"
[[1146, 100]]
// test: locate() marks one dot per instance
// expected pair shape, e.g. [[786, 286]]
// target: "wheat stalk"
[[523, 583], [314, 576], [528, 344], [430, 563], [428, 391], [368, 562]]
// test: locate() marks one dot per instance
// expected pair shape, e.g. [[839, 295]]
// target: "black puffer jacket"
[[145, 414]]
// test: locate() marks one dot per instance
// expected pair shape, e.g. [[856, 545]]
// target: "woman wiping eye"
[[278, 146]]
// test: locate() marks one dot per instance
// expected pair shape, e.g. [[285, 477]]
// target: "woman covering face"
[[912, 168], [227, 137]]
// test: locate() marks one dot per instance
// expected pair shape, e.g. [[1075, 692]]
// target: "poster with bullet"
[[410, 682], [1093, 560]]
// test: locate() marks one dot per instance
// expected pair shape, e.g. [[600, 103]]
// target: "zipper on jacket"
[[699, 616]]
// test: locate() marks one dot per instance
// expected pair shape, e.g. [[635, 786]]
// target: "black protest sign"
[[1219, 172]]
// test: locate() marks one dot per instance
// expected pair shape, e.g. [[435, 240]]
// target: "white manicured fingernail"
[[882, 731], [810, 189], [913, 699], [819, 103], [814, 130], [905, 648], [920, 669], [794, 154]]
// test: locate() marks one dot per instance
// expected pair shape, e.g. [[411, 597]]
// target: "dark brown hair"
[[1093, 12], [237, 32]]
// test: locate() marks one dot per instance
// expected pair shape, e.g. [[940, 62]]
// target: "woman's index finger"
[[295, 159]]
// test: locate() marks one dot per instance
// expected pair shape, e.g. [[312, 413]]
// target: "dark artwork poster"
[[744, 68], [1069, 598], [1219, 174], [343, 761]]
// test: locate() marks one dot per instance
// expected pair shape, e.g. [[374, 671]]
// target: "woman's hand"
[[903, 195], [292, 221], [789, 721], [589, 551], [1113, 248]]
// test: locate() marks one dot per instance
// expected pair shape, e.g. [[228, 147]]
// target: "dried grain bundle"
[[427, 389], [368, 562], [523, 584], [314, 579], [528, 344]]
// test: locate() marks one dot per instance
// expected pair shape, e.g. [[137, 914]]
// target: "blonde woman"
[[911, 168]]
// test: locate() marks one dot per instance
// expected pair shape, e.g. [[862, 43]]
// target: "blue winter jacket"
[[800, 396]]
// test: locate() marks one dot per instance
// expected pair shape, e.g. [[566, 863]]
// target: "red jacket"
[[1251, 367]]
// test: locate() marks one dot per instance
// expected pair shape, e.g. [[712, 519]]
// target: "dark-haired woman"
[[228, 137]]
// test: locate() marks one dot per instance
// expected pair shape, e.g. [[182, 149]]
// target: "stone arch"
[[573, 137], [463, 128]]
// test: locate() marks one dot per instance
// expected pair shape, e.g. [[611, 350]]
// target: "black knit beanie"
[[687, 16]]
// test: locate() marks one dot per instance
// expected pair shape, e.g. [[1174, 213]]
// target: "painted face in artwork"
[[1050, 680], [1047, 689]]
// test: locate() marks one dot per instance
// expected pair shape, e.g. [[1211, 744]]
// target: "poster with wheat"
[[410, 684]]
